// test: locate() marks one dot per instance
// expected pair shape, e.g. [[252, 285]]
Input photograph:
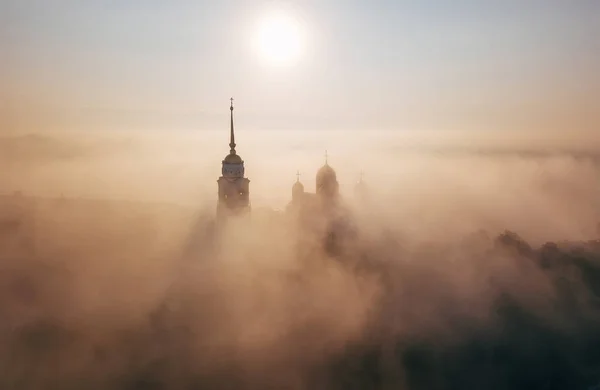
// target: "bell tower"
[[234, 192]]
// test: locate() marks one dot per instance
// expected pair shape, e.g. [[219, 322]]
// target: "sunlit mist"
[[279, 39], [399, 195]]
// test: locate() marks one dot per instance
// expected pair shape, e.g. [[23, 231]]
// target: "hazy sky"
[[436, 64]]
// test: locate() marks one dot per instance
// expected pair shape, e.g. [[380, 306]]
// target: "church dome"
[[232, 158], [326, 173], [298, 187], [326, 182]]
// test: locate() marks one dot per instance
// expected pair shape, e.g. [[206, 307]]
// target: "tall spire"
[[326, 155], [232, 135]]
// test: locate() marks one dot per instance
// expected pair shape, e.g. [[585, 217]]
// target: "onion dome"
[[326, 176], [297, 188], [326, 180], [326, 172]]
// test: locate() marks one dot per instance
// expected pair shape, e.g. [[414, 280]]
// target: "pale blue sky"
[[433, 64]]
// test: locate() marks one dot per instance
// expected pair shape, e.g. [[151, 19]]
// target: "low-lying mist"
[[454, 273]]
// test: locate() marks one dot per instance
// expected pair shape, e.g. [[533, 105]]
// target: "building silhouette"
[[234, 190], [326, 196]]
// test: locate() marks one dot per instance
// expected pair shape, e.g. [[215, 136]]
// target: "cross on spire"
[[326, 156], [297, 175], [231, 135]]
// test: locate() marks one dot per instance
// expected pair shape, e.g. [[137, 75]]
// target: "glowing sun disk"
[[279, 39]]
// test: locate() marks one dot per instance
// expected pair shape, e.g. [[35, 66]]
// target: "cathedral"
[[234, 196], [234, 190], [326, 196]]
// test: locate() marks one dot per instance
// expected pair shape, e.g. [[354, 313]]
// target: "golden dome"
[[233, 158]]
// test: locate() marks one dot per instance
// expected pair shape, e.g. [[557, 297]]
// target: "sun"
[[279, 39]]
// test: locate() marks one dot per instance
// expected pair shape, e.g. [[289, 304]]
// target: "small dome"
[[298, 187], [232, 159]]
